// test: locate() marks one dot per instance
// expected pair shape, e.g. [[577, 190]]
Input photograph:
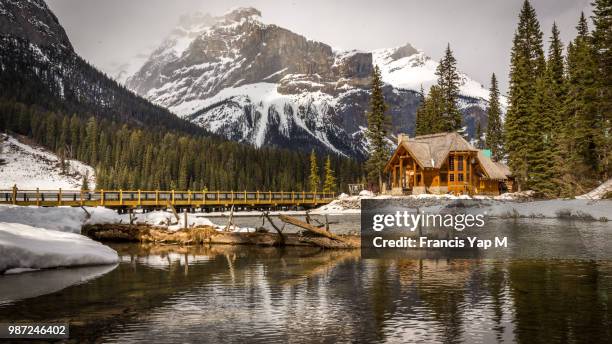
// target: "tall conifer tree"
[[314, 180], [581, 105], [378, 124], [329, 185], [527, 65], [449, 82], [602, 43], [495, 131]]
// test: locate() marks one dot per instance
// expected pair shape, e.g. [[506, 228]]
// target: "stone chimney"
[[402, 137]]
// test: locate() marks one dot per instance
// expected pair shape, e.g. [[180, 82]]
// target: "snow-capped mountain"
[[260, 83]]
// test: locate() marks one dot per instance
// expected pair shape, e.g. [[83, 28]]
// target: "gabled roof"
[[430, 151]]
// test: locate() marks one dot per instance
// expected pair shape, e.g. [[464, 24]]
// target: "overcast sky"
[[110, 33]]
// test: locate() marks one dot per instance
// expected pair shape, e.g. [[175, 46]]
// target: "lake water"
[[227, 294]]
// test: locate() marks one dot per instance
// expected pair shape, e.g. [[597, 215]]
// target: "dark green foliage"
[[378, 124], [558, 126], [449, 82], [495, 131], [438, 111], [127, 156], [527, 65], [429, 114], [582, 130], [602, 44], [422, 125]]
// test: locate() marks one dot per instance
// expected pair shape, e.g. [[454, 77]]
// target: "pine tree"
[[527, 65], [495, 131], [581, 106], [92, 141], [378, 123], [329, 185], [602, 44], [85, 185], [421, 126], [314, 180], [449, 82], [430, 118], [183, 174], [478, 139]]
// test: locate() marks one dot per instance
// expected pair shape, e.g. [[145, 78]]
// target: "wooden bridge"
[[127, 199]]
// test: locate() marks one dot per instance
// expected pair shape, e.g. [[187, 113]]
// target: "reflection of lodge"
[[444, 163]]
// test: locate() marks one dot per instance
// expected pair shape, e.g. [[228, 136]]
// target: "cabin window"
[[460, 176], [460, 163], [451, 163], [451, 177]]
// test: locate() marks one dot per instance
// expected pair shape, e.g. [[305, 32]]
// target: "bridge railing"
[[159, 197]]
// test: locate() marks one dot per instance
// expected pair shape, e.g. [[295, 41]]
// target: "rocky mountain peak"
[[33, 21], [404, 51], [240, 13]]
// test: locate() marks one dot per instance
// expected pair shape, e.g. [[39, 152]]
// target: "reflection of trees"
[[441, 287], [496, 283], [561, 301]]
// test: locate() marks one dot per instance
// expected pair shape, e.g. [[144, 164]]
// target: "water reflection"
[[227, 294], [14, 287]]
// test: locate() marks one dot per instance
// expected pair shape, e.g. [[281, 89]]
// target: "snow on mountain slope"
[[31, 167], [262, 84], [416, 70], [270, 109]]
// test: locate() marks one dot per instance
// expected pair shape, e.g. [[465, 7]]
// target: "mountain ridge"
[[265, 85]]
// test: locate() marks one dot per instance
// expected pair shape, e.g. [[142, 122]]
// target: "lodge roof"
[[431, 151]]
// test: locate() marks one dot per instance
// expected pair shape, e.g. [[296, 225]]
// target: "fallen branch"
[[279, 231], [314, 229]]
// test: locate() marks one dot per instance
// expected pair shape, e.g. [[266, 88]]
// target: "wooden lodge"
[[444, 163]]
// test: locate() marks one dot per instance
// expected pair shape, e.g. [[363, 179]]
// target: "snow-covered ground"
[[68, 219], [31, 167], [503, 206], [23, 248]]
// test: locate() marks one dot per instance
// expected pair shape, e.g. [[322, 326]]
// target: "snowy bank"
[[68, 219], [31, 167], [26, 247], [503, 206]]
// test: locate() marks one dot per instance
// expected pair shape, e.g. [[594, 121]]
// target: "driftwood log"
[[314, 236]]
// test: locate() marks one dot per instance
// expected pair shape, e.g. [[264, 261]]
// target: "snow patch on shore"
[[26, 247]]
